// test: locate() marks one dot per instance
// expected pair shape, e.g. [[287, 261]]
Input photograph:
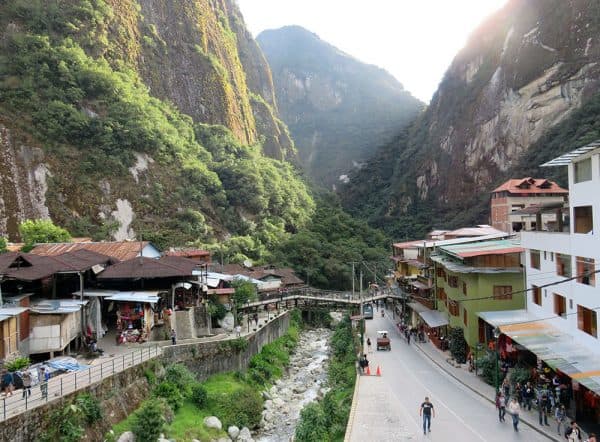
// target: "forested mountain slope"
[[522, 90], [338, 109], [121, 117]]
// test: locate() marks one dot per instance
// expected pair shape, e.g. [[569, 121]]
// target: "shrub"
[[149, 421], [170, 392], [90, 407], [199, 395], [179, 375], [17, 363], [487, 364], [150, 376], [520, 374], [242, 408], [312, 425], [66, 425]]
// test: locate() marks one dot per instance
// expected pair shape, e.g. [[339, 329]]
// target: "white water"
[[302, 384]]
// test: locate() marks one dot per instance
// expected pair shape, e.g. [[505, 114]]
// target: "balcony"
[[427, 302]]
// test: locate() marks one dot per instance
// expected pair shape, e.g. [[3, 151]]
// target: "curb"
[[352, 410], [532, 426]]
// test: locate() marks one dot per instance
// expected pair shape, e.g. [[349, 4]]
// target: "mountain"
[[128, 117], [523, 89], [338, 109]]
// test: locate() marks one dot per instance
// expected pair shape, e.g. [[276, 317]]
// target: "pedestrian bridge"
[[309, 297]]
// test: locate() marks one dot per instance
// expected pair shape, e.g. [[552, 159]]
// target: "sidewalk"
[[478, 386]]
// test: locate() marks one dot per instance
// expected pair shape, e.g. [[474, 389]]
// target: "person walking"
[[427, 412], [528, 394], [173, 336], [560, 414], [26, 376], [7, 383], [369, 350], [44, 378], [238, 330], [543, 406], [573, 433], [506, 387], [514, 409], [501, 405]]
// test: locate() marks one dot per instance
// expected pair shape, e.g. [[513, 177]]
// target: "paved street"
[[387, 407]]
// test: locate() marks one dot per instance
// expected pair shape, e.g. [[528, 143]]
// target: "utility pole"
[[360, 284], [352, 279]]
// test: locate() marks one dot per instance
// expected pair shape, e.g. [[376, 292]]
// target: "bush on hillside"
[[199, 395], [179, 375], [171, 393], [242, 408], [149, 421]]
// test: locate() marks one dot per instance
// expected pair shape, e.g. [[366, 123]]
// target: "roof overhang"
[[569, 157]]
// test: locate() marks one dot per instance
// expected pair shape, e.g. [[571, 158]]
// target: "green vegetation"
[[3, 244], [326, 247], [487, 366], [326, 420], [233, 397], [67, 422], [41, 231], [149, 421], [17, 363]]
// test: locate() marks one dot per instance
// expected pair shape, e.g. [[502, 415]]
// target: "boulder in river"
[[233, 432]]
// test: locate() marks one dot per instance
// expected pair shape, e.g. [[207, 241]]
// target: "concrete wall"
[[122, 393]]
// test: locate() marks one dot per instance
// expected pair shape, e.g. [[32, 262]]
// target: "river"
[[302, 383]]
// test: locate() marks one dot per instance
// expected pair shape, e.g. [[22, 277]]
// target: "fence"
[[65, 384]]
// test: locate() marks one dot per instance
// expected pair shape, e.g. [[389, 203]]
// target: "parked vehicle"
[[367, 311]]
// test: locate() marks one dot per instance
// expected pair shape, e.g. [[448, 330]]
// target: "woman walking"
[[514, 409], [369, 350], [501, 406]]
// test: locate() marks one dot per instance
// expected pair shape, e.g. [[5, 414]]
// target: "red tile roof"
[[530, 185], [120, 250]]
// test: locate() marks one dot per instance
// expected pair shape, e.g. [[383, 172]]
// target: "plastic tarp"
[[66, 364]]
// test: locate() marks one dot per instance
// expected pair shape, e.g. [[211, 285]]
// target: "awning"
[[420, 285], [109, 293], [417, 307], [434, 318], [558, 349], [150, 297]]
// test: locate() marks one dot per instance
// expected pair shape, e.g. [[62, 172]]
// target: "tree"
[[244, 292], [149, 421], [41, 231], [3, 245]]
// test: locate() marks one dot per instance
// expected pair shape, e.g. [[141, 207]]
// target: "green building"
[[478, 277]]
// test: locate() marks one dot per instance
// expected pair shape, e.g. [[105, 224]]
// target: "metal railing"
[[65, 384]]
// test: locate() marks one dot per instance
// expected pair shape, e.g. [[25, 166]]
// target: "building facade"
[[570, 259], [510, 201], [476, 277]]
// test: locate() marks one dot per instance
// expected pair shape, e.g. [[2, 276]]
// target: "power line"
[[533, 288]]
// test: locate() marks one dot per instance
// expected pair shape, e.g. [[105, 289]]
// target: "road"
[[407, 377]]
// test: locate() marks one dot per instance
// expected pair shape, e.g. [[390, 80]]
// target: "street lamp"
[[496, 336]]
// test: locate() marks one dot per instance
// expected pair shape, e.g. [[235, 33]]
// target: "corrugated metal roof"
[[445, 242], [142, 267], [459, 267], [498, 247], [57, 306], [120, 250], [568, 157]]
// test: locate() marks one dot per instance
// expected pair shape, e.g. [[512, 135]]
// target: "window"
[[545, 257], [464, 288], [551, 256], [586, 320], [536, 295], [563, 265], [503, 292], [584, 219], [583, 170], [453, 281], [560, 306], [453, 308], [534, 256], [441, 294], [585, 269], [465, 320]]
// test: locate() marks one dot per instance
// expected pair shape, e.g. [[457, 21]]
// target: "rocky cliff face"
[[106, 109], [523, 71], [338, 109]]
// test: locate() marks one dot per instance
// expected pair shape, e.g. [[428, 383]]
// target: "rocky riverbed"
[[301, 384]]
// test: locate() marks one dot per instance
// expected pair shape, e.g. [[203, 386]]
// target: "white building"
[[557, 256]]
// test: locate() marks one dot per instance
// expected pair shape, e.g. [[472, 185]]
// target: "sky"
[[414, 40]]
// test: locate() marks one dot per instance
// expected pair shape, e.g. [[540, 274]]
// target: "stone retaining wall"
[[121, 393]]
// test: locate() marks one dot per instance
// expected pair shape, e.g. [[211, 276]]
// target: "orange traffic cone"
[[368, 371], [378, 371]]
